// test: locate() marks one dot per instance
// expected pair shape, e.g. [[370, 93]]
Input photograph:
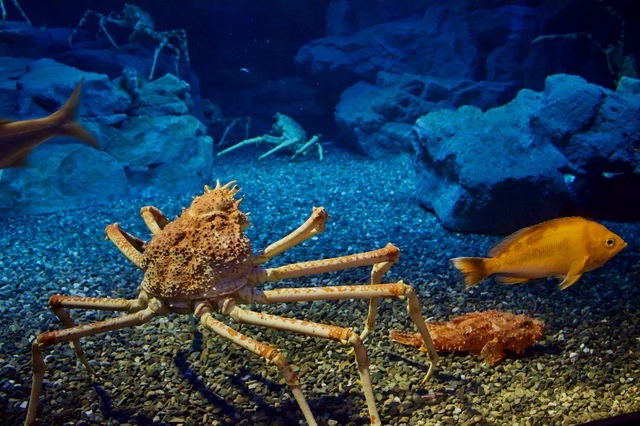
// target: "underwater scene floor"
[[168, 372]]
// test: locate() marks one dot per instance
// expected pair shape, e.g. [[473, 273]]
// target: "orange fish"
[[18, 138], [565, 248]]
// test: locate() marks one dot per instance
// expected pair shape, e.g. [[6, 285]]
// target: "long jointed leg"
[[340, 334], [389, 253], [392, 291], [59, 305], [72, 335], [203, 312], [378, 270], [284, 143], [311, 227]]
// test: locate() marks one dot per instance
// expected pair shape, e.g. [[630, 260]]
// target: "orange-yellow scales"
[[565, 248], [487, 333], [204, 252]]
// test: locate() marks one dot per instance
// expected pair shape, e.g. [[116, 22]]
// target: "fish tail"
[[406, 337], [68, 125], [474, 269]]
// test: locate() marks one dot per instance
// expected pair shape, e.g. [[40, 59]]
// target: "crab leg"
[[131, 246], [307, 145], [58, 303], [17, 5], [320, 156], [310, 228], [340, 334], [393, 291], [103, 26], [72, 335], [269, 354], [256, 140], [154, 219], [378, 270], [285, 143], [389, 253], [161, 46], [381, 259]]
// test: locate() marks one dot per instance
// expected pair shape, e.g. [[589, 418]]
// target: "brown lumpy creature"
[[204, 252], [487, 333]]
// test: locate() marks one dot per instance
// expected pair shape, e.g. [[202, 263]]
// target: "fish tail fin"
[[68, 125], [474, 269], [406, 337]]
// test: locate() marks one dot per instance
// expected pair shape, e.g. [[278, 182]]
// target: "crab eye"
[[609, 242]]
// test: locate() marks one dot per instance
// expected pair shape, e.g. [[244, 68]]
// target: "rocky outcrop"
[[150, 139], [376, 120], [566, 150]]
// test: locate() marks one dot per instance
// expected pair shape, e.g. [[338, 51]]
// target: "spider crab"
[[202, 263], [291, 137], [140, 22], [17, 6]]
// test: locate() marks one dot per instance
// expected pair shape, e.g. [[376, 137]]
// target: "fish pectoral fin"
[[493, 351], [574, 274], [511, 279], [569, 281]]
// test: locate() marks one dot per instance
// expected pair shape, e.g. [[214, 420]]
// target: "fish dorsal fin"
[[532, 232]]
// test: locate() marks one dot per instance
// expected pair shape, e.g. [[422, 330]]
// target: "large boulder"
[[480, 40], [61, 177], [542, 155], [172, 153], [46, 85], [336, 62]]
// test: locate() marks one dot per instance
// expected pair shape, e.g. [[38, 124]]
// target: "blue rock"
[[167, 95], [373, 119], [151, 142], [171, 152], [47, 84], [61, 177], [542, 155]]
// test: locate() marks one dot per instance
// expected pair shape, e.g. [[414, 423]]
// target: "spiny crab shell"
[[204, 253]]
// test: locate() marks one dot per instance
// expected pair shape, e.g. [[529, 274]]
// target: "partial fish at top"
[[565, 248], [18, 138]]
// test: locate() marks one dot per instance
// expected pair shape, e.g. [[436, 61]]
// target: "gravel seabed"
[[169, 373]]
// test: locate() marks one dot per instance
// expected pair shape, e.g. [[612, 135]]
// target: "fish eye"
[[527, 324], [609, 242]]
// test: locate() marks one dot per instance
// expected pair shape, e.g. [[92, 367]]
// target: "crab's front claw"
[[131, 246]]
